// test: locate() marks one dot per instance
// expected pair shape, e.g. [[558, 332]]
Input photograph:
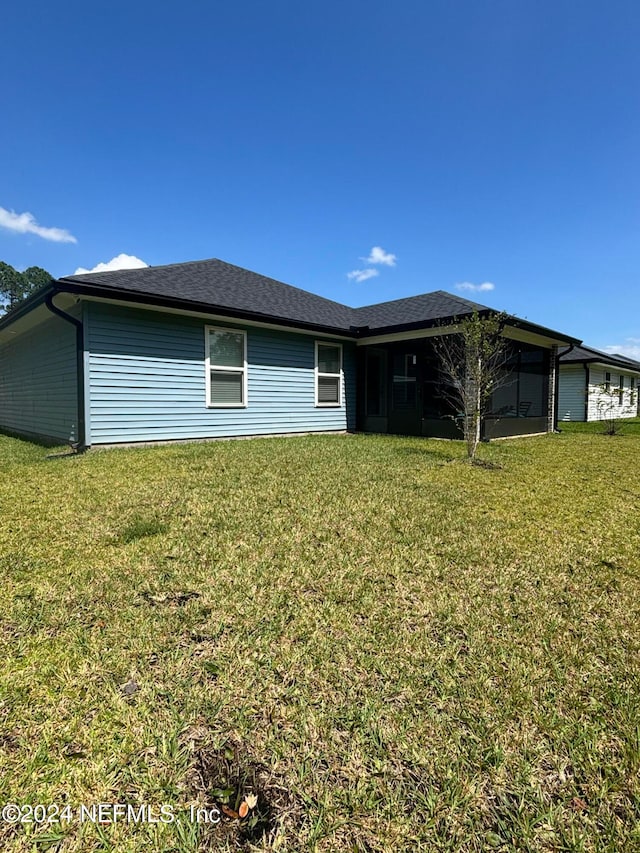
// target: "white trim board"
[[511, 332]]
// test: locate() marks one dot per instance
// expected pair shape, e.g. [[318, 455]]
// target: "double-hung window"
[[328, 372], [621, 390], [226, 367]]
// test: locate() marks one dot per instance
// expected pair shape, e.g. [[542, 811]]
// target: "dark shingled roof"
[[218, 287], [579, 355], [426, 307]]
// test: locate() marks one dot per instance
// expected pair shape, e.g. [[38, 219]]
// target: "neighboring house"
[[208, 349], [595, 384]]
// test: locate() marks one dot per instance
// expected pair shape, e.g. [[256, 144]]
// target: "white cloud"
[[475, 288], [25, 223], [630, 349], [120, 262], [377, 255], [362, 275]]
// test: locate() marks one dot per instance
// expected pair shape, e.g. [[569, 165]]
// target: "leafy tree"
[[472, 362], [11, 286], [16, 286], [35, 278]]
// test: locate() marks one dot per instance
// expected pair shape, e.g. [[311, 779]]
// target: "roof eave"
[[147, 299], [371, 331], [606, 362], [620, 365], [534, 328], [33, 301], [514, 322]]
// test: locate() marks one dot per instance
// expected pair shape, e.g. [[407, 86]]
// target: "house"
[[208, 349], [594, 384]]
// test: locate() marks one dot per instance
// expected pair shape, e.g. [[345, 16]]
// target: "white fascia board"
[[511, 332], [615, 368], [433, 332], [517, 334]]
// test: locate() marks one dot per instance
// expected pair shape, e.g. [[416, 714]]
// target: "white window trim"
[[209, 367], [318, 374]]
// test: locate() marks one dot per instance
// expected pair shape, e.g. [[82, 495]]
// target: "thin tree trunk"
[[478, 409], [474, 400]]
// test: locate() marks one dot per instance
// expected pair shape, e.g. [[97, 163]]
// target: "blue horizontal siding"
[[38, 382], [147, 381]]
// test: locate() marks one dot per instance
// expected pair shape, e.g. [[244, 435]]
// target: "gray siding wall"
[[38, 379], [147, 380], [572, 393]]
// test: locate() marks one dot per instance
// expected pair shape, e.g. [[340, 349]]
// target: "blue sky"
[[479, 143]]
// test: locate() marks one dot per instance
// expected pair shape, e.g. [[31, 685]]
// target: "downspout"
[[80, 443], [556, 389], [585, 364]]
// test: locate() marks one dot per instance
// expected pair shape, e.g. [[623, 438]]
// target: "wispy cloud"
[[630, 348], [377, 255], [25, 223], [362, 275], [120, 262], [475, 288]]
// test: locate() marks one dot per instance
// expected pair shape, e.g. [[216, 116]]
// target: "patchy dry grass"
[[390, 649]]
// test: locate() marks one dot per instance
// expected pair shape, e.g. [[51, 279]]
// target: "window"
[[328, 374], [621, 390], [226, 367], [607, 381]]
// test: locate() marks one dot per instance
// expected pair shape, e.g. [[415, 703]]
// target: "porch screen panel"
[[533, 385], [376, 377], [404, 388], [504, 400], [523, 384]]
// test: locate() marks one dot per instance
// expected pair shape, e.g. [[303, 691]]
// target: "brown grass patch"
[[223, 778]]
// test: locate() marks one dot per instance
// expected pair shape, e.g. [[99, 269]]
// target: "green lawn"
[[627, 426], [391, 649]]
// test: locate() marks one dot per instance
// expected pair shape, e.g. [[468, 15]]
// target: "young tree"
[[16, 286], [472, 364], [608, 408]]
